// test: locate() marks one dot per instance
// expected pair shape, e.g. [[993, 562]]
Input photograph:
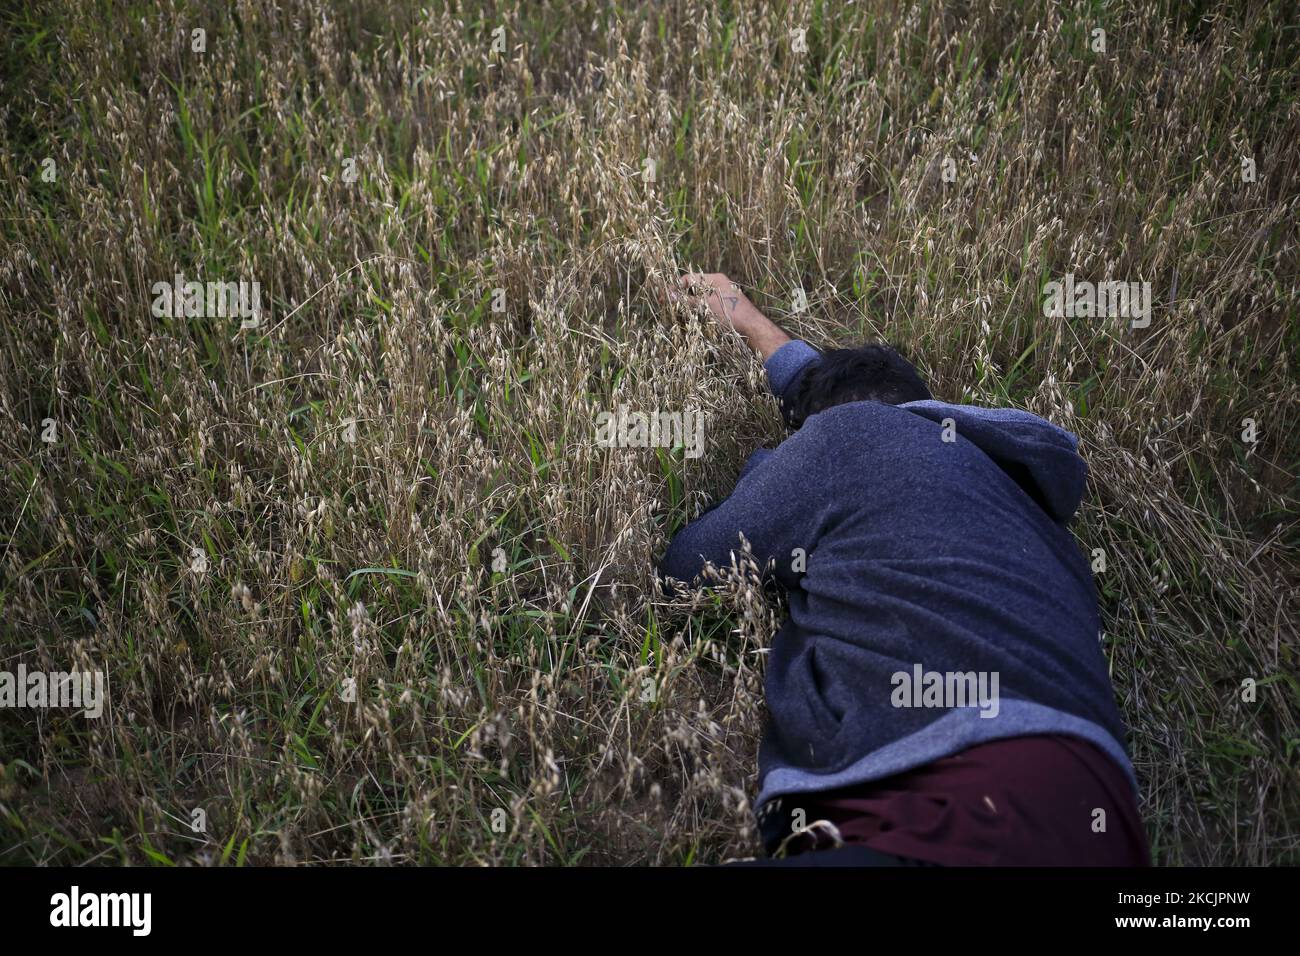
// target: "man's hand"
[[733, 310]]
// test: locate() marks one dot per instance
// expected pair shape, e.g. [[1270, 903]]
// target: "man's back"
[[934, 603], [938, 693]]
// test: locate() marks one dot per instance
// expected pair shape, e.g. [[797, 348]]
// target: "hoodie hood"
[[1041, 457]]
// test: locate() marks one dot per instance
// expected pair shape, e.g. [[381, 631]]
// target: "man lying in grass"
[[938, 694]]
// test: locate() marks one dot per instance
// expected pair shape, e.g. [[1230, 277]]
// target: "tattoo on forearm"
[[732, 302]]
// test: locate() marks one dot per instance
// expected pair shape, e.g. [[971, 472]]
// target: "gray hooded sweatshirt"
[[937, 597]]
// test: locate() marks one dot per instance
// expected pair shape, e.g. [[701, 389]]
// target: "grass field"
[[362, 584]]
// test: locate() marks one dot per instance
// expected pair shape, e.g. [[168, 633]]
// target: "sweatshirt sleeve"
[[786, 366], [772, 507], [757, 458]]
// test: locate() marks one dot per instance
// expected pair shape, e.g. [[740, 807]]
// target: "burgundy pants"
[[1049, 800]]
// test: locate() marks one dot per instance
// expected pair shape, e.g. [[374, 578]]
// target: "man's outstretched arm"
[[784, 358], [770, 505], [733, 310]]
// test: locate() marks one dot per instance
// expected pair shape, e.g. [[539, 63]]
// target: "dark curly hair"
[[876, 373]]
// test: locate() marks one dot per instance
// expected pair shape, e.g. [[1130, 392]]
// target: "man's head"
[[871, 373]]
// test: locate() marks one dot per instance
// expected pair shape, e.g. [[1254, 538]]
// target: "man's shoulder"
[[836, 423], [842, 436]]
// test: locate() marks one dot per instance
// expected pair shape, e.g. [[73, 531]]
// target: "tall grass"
[[395, 487]]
